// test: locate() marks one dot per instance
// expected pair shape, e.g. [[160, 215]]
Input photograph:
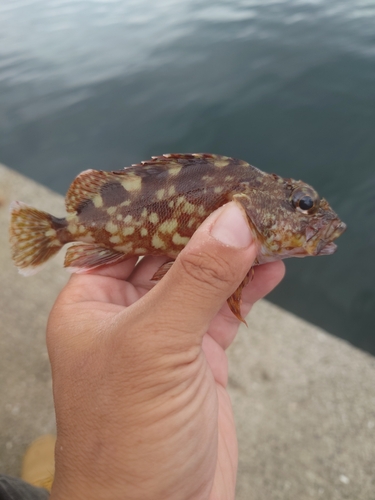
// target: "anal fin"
[[87, 256]]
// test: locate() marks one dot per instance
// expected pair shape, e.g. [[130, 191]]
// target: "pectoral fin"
[[162, 271], [235, 300]]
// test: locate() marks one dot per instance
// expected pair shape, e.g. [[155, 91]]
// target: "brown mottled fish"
[[153, 208]]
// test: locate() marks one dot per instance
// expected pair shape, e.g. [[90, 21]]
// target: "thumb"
[[207, 271]]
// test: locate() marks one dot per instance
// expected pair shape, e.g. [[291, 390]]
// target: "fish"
[[154, 208]]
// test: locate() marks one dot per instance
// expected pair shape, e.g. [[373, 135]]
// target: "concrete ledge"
[[304, 401]]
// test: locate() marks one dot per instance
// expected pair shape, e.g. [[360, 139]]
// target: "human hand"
[[140, 371]]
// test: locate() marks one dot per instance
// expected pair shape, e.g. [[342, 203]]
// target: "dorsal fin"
[[171, 160], [84, 187], [89, 183]]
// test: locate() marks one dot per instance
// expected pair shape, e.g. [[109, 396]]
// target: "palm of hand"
[[183, 393]]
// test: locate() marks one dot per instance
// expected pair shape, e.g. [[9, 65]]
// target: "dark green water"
[[287, 85]]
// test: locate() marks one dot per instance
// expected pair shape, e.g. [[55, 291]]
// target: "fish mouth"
[[327, 248], [325, 245]]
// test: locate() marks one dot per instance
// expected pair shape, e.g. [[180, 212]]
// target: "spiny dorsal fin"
[[170, 161], [174, 163], [89, 183]]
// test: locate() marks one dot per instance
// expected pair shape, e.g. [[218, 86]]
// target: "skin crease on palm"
[[140, 371]]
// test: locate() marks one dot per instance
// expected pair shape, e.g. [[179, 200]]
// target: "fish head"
[[289, 219]]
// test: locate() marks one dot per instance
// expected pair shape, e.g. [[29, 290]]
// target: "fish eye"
[[306, 203], [305, 199]]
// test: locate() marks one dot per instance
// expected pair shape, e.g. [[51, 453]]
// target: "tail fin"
[[33, 238]]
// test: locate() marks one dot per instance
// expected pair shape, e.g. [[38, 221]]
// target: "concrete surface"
[[304, 401]]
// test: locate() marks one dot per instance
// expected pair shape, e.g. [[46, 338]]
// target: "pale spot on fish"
[[160, 194], [81, 229], [144, 212], [50, 232], [115, 239], [132, 183], [87, 238], [70, 217], [97, 201], [157, 242], [180, 200], [111, 210], [188, 208], [119, 216], [128, 230], [128, 247], [175, 170], [125, 203], [140, 251], [111, 227], [221, 163], [229, 178], [180, 240], [72, 228], [171, 190], [144, 231], [171, 204], [128, 219], [153, 218], [168, 226], [218, 189], [191, 222], [201, 211]]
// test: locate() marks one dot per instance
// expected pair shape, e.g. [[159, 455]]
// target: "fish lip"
[[338, 230], [320, 241], [327, 248], [326, 245]]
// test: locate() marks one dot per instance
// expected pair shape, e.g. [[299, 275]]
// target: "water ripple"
[[285, 84]]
